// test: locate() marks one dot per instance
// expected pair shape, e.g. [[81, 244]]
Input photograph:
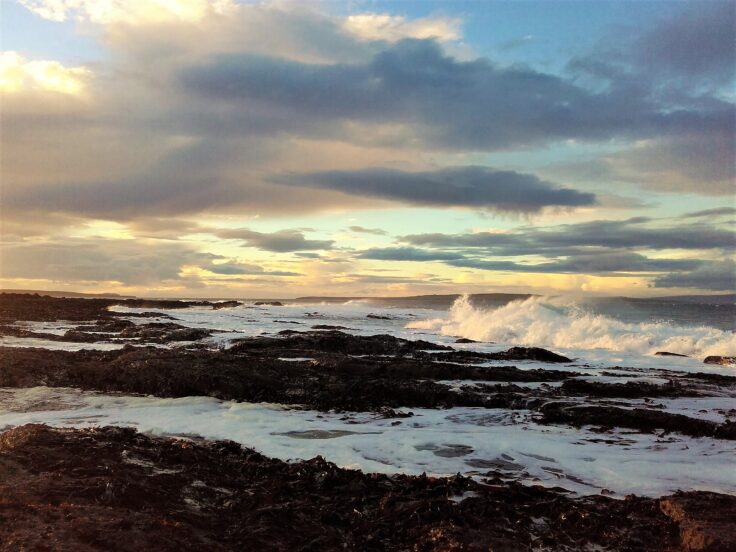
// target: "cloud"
[[157, 227], [391, 28], [572, 238], [234, 269], [196, 122], [194, 178], [129, 262], [695, 42], [452, 187], [696, 162], [283, 241], [406, 254], [19, 74], [715, 276], [610, 263], [604, 247], [363, 230], [138, 12], [451, 103], [717, 212], [515, 43]]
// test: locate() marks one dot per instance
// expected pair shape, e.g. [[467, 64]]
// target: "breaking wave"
[[560, 322]]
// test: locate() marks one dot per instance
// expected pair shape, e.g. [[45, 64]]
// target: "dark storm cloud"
[[631, 233], [716, 276], [460, 104], [452, 187], [283, 241]]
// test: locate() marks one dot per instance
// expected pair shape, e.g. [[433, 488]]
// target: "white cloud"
[[134, 12], [18, 74], [381, 26]]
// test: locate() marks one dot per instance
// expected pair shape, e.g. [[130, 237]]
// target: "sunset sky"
[[275, 149]]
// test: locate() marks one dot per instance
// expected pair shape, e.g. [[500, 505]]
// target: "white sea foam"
[[561, 323], [438, 442]]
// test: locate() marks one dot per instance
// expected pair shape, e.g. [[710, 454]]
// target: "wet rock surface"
[[642, 419], [630, 389], [344, 383], [707, 521], [113, 489], [721, 360], [512, 354]]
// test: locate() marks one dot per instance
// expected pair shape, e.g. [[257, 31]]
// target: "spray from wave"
[[560, 322]]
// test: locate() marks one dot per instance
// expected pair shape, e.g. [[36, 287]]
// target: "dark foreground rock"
[[707, 520], [113, 489]]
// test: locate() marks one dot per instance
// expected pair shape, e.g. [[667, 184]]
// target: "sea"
[[608, 339]]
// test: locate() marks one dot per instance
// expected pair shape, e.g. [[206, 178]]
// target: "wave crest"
[[559, 322]]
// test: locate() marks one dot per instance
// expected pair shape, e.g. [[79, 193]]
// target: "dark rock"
[[667, 353], [722, 360], [268, 304], [465, 340], [378, 317], [112, 489], [707, 521], [187, 334], [531, 353], [161, 304], [225, 305], [641, 419], [33, 307], [628, 390], [514, 353], [336, 342], [163, 332]]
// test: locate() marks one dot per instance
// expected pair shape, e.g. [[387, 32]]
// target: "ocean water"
[[599, 335], [608, 332], [434, 441]]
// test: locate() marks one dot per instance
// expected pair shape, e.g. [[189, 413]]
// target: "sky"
[[226, 148]]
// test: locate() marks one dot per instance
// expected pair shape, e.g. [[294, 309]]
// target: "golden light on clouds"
[[131, 12], [18, 74], [383, 26]]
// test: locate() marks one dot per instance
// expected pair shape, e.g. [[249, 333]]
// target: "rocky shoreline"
[[88, 487], [115, 489]]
